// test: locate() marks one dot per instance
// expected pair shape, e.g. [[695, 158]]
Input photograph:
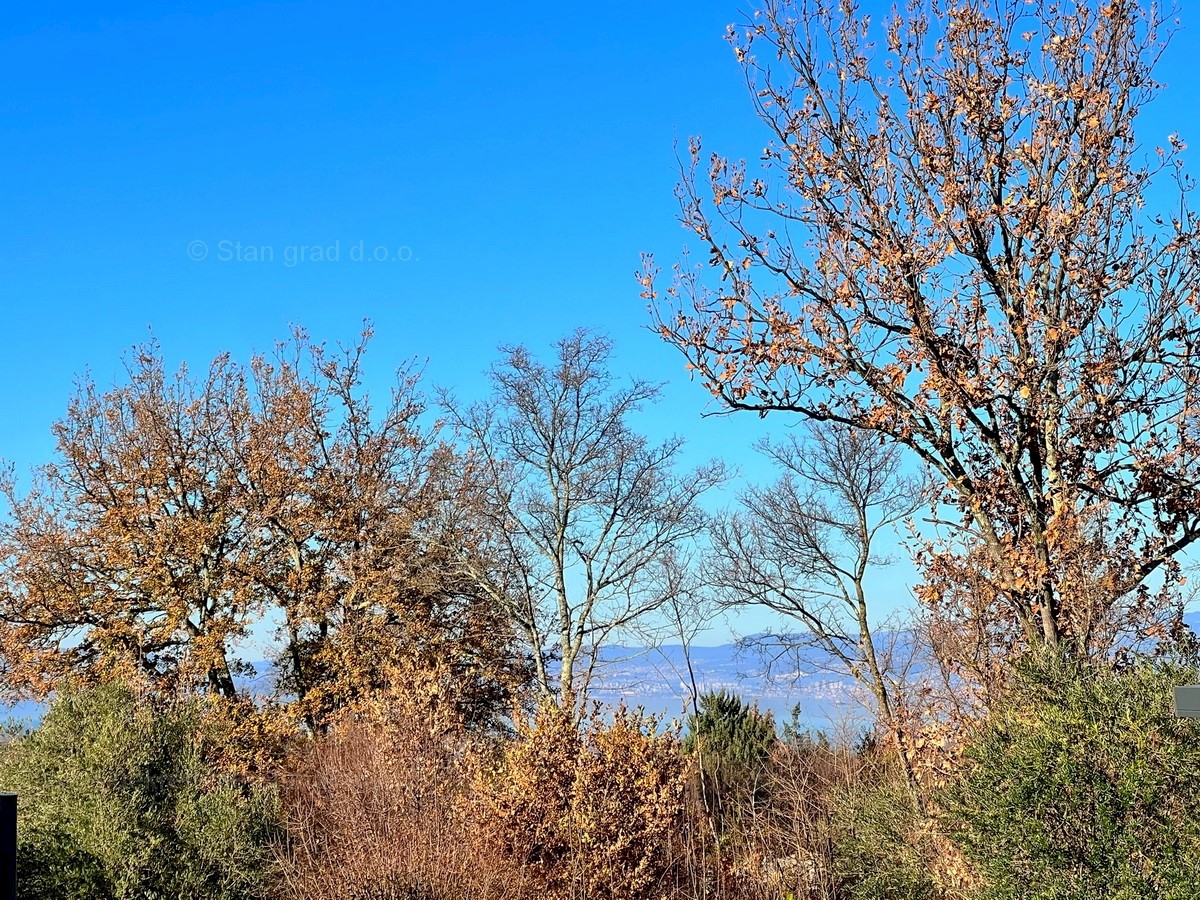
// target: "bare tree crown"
[[581, 508]]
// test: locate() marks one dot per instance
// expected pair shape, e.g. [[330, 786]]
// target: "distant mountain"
[[657, 680]]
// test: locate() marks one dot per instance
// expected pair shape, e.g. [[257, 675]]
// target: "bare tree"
[[690, 607], [804, 546], [579, 508]]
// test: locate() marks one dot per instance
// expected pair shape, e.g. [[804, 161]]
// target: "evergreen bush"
[[1084, 785], [117, 802]]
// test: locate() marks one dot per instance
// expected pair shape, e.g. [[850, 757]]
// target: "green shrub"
[[881, 847], [1084, 785], [116, 802], [732, 742]]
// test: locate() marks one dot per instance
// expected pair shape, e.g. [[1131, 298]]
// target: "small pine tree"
[[732, 742]]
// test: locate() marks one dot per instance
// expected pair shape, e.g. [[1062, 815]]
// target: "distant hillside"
[[657, 680]]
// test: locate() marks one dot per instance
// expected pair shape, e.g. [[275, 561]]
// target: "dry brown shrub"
[[395, 804], [375, 811], [251, 741], [839, 823], [795, 833], [590, 810]]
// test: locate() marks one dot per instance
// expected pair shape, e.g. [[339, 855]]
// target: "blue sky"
[[516, 163], [510, 163]]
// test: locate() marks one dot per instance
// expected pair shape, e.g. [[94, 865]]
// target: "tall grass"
[[377, 811]]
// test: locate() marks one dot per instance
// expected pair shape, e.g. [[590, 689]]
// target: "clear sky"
[[509, 161]]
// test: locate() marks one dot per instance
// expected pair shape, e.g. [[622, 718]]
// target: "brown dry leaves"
[[949, 245], [184, 511]]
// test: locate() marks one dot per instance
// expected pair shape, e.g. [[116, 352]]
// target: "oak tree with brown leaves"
[[951, 241], [184, 513]]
